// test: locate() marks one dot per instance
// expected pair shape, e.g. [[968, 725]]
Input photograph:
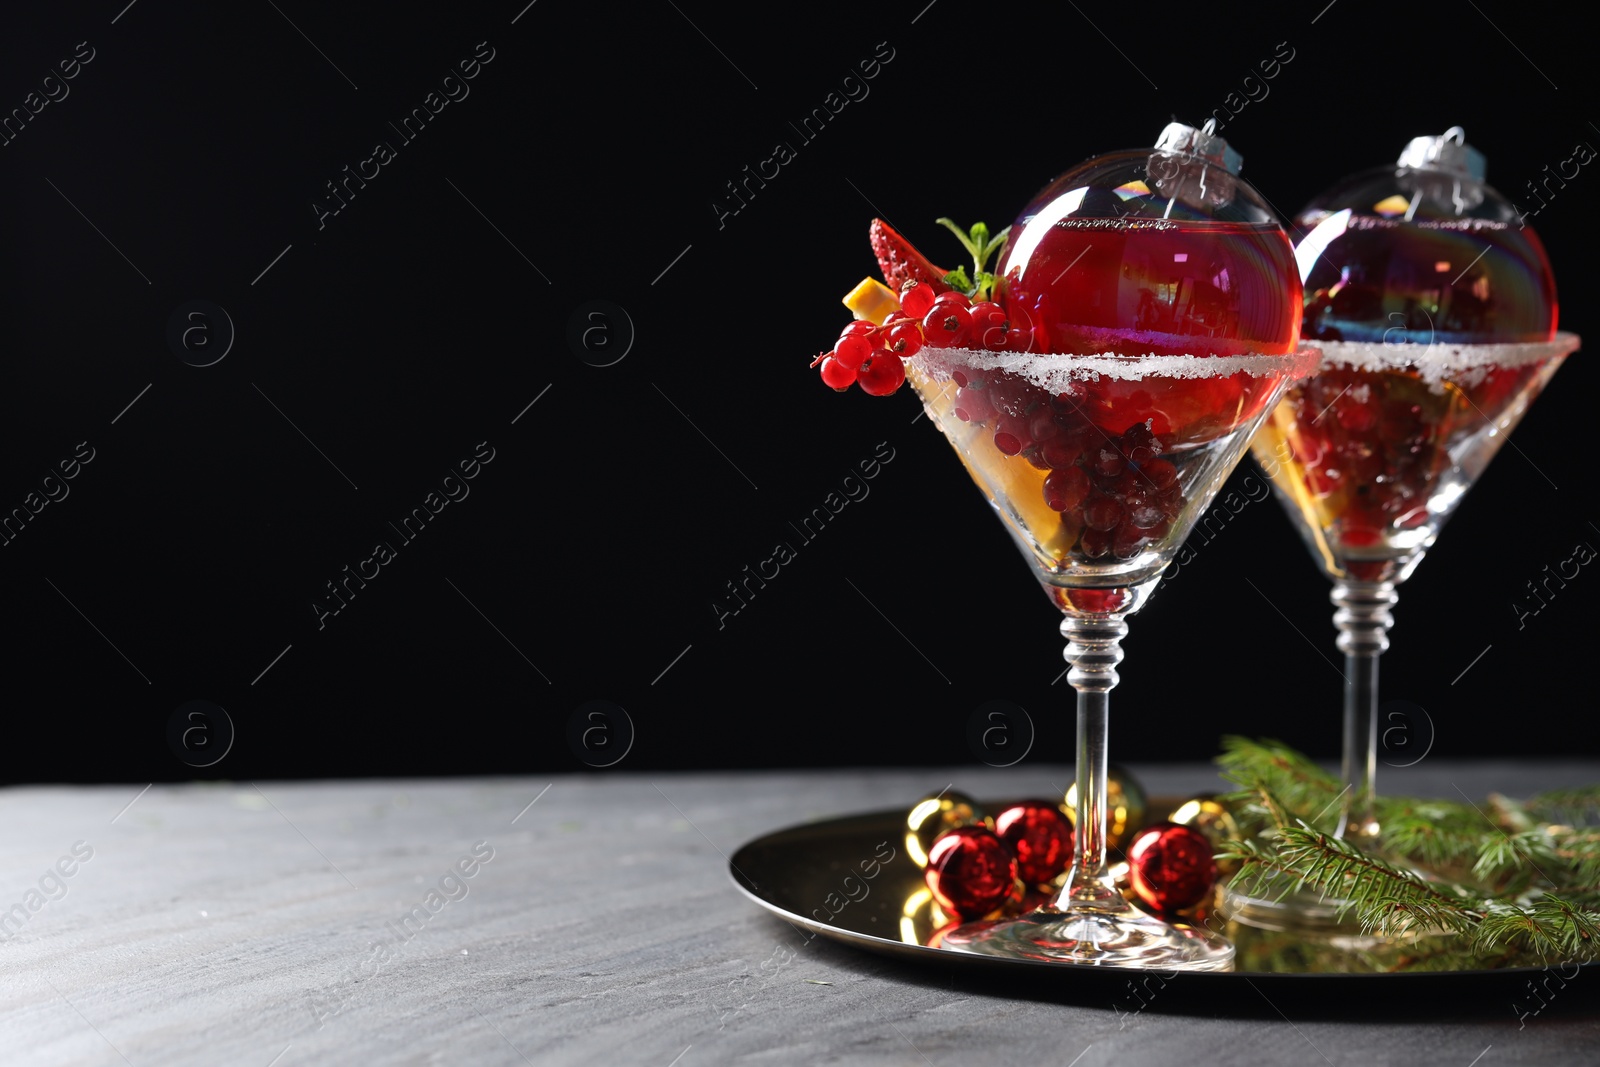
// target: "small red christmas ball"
[[1039, 836], [1171, 866], [970, 871]]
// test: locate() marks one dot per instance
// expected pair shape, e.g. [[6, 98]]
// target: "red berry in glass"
[[1435, 310], [1102, 512], [1066, 488], [1140, 285], [1060, 453], [1375, 454], [972, 405], [1094, 543]]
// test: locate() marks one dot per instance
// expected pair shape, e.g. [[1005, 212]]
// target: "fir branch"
[[1510, 815], [1295, 785], [1269, 806], [1515, 889], [1511, 861], [1552, 927], [1575, 807], [1386, 899], [1436, 835], [1578, 853]]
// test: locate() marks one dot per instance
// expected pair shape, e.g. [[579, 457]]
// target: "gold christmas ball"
[[1213, 819], [920, 916], [1126, 805], [936, 813]]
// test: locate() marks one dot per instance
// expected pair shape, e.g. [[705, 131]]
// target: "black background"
[[414, 324]]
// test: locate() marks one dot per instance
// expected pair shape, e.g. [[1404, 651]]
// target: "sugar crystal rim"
[[1440, 359], [1052, 370]]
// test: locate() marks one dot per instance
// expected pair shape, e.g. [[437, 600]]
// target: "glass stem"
[[1363, 619], [1093, 650]]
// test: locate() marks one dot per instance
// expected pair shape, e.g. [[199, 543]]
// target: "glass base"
[[1280, 906], [1127, 938]]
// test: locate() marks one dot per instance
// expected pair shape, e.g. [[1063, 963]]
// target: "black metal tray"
[[849, 880]]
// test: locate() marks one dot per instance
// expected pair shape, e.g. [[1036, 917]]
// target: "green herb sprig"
[[978, 285]]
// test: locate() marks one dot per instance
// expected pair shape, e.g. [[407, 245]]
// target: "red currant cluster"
[[1114, 493], [870, 356]]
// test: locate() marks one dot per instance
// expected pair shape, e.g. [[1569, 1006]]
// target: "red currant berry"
[[1139, 436], [1146, 514], [1060, 452], [881, 374], [916, 298], [1007, 443], [1016, 426], [1108, 462], [1095, 544], [1354, 416], [1127, 487], [1407, 435], [1019, 337], [1357, 534], [972, 405], [836, 375], [1126, 541], [905, 339], [1102, 513], [1160, 473], [853, 349], [856, 326], [1042, 423], [947, 325], [989, 325], [1010, 394], [1065, 489]]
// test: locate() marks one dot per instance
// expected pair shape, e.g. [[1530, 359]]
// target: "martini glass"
[[1163, 305], [1435, 310]]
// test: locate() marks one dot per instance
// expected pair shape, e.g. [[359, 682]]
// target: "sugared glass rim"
[[1441, 360], [1054, 370]]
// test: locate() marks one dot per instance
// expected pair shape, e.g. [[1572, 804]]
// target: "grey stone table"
[[583, 920]]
